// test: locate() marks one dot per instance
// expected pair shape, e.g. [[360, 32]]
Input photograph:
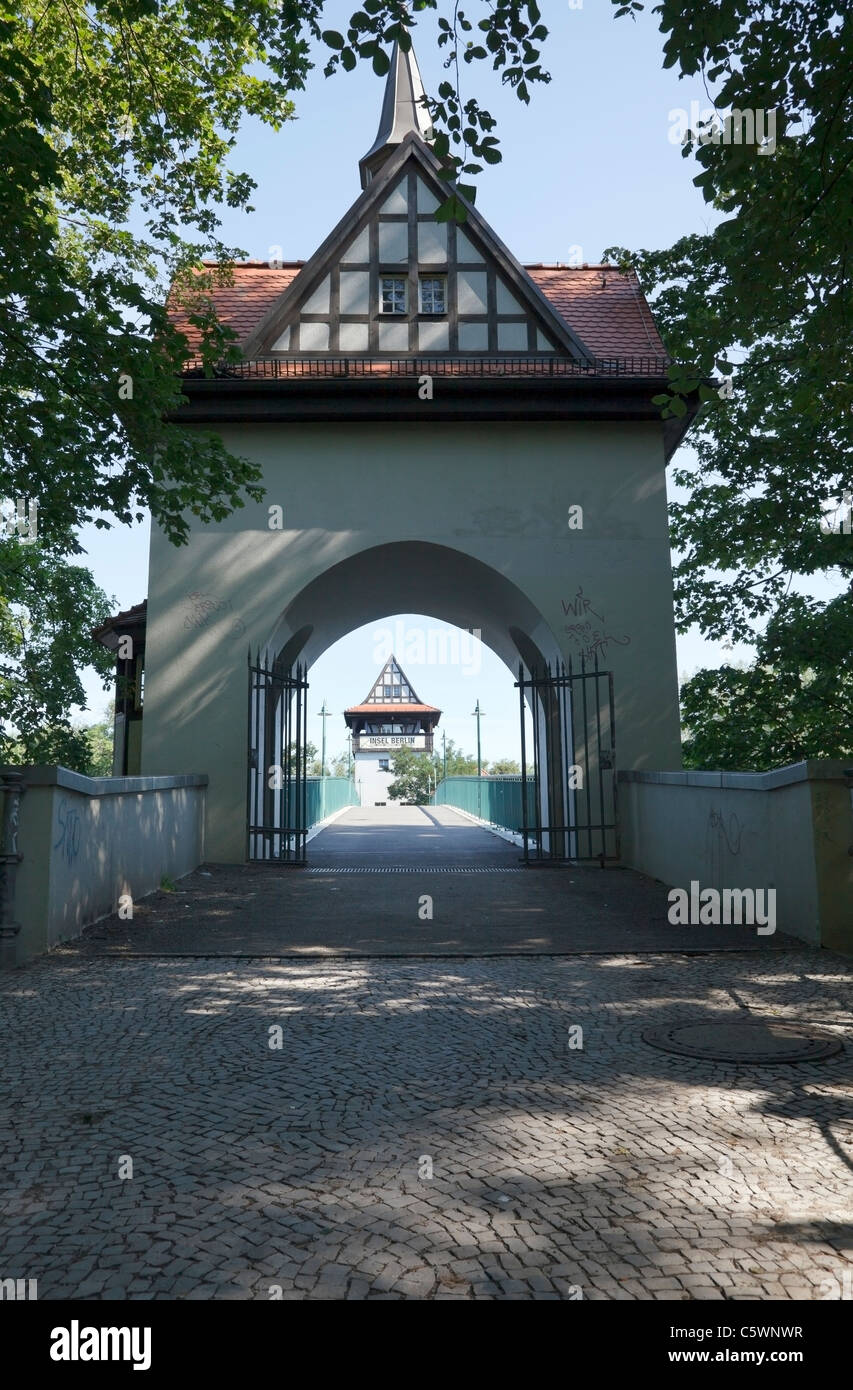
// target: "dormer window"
[[433, 294], [393, 294]]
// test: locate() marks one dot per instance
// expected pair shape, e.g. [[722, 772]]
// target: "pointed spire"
[[402, 112]]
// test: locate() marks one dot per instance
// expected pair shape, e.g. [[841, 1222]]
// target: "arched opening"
[[412, 577], [418, 723], [442, 583]]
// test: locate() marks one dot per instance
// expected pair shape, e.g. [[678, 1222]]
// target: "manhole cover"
[[760, 1042]]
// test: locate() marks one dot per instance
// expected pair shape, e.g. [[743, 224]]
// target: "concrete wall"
[[467, 523], [86, 841], [371, 782], [791, 829]]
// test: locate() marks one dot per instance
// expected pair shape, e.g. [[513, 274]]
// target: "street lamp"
[[324, 714], [477, 712]]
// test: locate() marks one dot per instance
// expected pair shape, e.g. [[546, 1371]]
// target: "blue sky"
[[589, 163]]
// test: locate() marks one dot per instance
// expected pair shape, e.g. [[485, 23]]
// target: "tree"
[[118, 110], [505, 767], [121, 109], [47, 611], [765, 297], [99, 737], [310, 761], [459, 764], [107, 109], [795, 702], [413, 777]]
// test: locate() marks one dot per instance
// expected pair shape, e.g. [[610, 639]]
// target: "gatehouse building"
[[390, 717], [435, 421]]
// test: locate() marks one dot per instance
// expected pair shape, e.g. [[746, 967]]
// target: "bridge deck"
[[363, 892]]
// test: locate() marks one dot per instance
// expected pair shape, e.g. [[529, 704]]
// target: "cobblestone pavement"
[[426, 1130]]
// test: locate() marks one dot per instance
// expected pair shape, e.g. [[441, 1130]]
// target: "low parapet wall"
[[790, 830], [74, 847]]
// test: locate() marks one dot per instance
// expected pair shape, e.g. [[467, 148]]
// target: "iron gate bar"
[[598, 743], [555, 708], [276, 817], [524, 816], [567, 744], [587, 787]]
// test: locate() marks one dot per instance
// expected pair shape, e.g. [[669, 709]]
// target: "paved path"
[[418, 836], [352, 902], [425, 1130]]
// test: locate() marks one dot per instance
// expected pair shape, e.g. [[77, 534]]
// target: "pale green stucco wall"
[[790, 829], [499, 493], [86, 841]]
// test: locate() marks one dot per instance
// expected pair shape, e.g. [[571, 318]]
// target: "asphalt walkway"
[[403, 881]]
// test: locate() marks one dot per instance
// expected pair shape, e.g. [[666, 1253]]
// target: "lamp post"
[[478, 713], [444, 746], [349, 754], [324, 715]]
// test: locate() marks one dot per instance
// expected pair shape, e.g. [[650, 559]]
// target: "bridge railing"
[[325, 795], [498, 800]]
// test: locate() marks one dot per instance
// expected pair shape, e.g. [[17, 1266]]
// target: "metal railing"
[[288, 368], [325, 795], [498, 800]]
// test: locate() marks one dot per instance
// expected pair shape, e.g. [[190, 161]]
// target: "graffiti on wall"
[[203, 610], [589, 630], [70, 831]]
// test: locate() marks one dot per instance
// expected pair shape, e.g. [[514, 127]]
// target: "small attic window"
[[433, 294], [393, 294]]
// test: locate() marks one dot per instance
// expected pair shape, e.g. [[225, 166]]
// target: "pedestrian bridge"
[[412, 881]]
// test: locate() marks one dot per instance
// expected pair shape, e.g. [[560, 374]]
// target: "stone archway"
[[441, 582]]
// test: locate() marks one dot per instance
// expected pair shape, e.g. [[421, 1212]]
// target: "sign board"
[[392, 741]]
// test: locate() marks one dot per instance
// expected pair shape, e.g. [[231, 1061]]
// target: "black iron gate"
[[277, 787], [569, 807]]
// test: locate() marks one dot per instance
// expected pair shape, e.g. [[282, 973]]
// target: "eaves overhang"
[[244, 400]]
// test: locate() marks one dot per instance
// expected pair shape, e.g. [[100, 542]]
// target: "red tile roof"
[[129, 617], [256, 286], [603, 306]]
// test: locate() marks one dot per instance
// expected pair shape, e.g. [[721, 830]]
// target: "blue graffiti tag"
[[69, 841]]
